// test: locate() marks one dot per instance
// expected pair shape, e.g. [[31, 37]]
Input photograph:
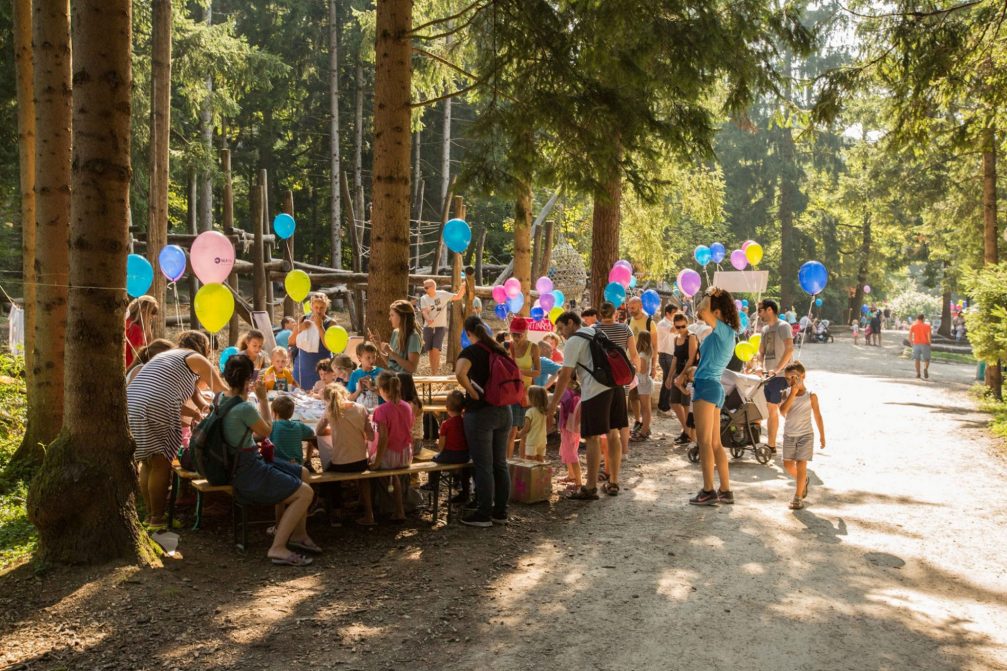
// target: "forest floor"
[[898, 562]]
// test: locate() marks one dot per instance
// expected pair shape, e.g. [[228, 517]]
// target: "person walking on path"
[[798, 435], [876, 328], [434, 306], [621, 335], [920, 339], [665, 355], [775, 352]]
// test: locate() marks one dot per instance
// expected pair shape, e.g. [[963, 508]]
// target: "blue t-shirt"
[[549, 368], [359, 374], [287, 436], [715, 353], [283, 338], [238, 422]]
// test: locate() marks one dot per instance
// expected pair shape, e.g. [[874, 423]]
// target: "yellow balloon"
[[756, 340], [744, 351], [307, 307], [298, 285], [554, 314], [754, 253], [214, 306], [336, 339]]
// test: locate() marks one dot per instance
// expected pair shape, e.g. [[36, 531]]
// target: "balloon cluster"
[[620, 278], [510, 298], [750, 253]]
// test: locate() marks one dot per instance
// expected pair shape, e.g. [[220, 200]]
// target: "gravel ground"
[[896, 563]]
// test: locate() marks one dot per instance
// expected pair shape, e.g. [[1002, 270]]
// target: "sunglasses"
[[681, 327]]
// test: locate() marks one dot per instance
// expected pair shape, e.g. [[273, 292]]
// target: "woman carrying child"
[[394, 419], [350, 429]]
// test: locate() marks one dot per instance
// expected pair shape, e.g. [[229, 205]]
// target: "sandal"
[[602, 476], [796, 504], [610, 488], [305, 547], [292, 559], [584, 494], [639, 437]]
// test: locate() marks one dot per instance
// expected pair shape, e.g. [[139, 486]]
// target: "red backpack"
[[611, 364], [504, 386]]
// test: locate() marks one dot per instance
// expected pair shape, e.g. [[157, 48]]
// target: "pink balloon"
[[738, 259], [547, 301], [744, 246], [212, 257], [512, 287], [624, 262], [499, 294], [621, 275], [689, 282], [543, 285], [867, 288]]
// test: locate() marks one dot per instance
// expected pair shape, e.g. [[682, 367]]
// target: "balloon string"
[[178, 315], [804, 331]]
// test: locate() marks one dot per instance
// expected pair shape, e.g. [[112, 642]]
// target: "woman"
[[402, 353], [156, 346], [487, 427], [154, 401], [140, 315], [686, 347], [309, 341], [525, 354], [718, 311], [255, 481]]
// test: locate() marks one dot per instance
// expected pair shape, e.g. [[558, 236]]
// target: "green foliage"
[[910, 302], [17, 536], [986, 320]]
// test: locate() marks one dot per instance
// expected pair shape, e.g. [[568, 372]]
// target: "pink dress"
[[397, 420], [569, 427]]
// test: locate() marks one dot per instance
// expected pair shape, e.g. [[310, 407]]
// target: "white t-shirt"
[[436, 308], [578, 351], [666, 337]]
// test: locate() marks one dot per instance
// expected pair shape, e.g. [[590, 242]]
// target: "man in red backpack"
[[603, 406]]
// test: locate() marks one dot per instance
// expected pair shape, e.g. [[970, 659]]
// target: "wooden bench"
[[240, 510]]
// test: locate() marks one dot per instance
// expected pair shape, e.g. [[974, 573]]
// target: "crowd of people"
[[374, 418]]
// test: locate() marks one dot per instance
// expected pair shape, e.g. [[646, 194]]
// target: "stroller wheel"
[[694, 454], [762, 454], [737, 452]]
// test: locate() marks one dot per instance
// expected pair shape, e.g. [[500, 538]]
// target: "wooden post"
[[289, 304], [258, 260], [234, 327], [193, 230], [356, 302], [267, 249], [445, 215], [459, 309], [545, 259], [479, 255]]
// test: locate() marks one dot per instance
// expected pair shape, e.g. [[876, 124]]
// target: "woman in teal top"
[[256, 481], [402, 354], [717, 310]]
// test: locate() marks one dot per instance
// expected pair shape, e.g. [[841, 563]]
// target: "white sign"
[[261, 321], [742, 281]]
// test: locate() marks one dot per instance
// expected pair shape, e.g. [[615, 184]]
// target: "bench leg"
[[172, 497]]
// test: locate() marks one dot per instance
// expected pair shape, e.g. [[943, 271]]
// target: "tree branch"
[[446, 19], [446, 62], [454, 94], [449, 33], [916, 14]]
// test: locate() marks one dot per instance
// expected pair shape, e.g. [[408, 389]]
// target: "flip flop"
[[304, 547], [292, 559]]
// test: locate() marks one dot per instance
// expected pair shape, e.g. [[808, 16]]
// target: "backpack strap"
[[589, 339]]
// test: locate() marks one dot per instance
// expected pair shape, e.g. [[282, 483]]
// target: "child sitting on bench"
[[452, 447]]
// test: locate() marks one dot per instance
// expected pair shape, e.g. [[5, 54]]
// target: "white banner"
[[742, 281]]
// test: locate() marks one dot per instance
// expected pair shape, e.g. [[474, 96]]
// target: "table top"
[[434, 379]]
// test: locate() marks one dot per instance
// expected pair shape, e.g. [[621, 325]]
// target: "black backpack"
[[611, 364], [209, 452]]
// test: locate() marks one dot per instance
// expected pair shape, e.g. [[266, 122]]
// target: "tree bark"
[[445, 167], [160, 129], [82, 501], [290, 306], [787, 208], [522, 240], [388, 276], [863, 267], [605, 234], [994, 374], [206, 129], [192, 218], [358, 149], [234, 326], [336, 210], [945, 329], [259, 297], [458, 309]]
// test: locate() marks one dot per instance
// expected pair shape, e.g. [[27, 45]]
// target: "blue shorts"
[[517, 415], [774, 390], [710, 391], [921, 352]]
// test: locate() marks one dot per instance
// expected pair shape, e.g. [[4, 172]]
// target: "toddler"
[[343, 367], [452, 448], [412, 397], [326, 376], [644, 386], [361, 384], [533, 433], [250, 344], [855, 329], [394, 419], [279, 377], [798, 435], [569, 431], [687, 388]]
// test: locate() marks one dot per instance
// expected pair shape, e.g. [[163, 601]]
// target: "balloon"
[[745, 351], [512, 287], [457, 235], [703, 255], [754, 253], [515, 303], [813, 277], [737, 304], [689, 282], [651, 301], [465, 339], [717, 252], [336, 339], [615, 293], [554, 314], [620, 275], [624, 263], [543, 285], [538, 314], [547, 301], [499, 294], [818, 302], [284, 225], [172, 262], [212, 256], [225, 355], [307, 307], [214, 306], [755, 341], [744, 303], [298, 285], [738, 259], [743, 321], [500, 311], [867, 289], [632, 282], [139, 275], [745, 245], [559, 296]]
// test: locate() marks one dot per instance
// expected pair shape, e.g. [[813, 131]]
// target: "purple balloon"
[[739, 260], [499, 294], [547, 301], [543, 285], [625, 263], [689, 282]]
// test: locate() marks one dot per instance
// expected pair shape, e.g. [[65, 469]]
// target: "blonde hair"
[[319, 296], [254, 334], [538, 398], [141, 305], [389, 383], [336, 397]]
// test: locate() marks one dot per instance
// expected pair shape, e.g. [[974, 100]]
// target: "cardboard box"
[[530, 481]]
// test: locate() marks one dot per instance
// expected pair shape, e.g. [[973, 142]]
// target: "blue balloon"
[[225, 355], [538, 314], [457, 235], [632, 282], [284, 225], [813, 277], [651, 301], [744, 303], [703, 255], [139, 275], [465, 339], [717, 252], [560, 298], [744, 322], [172, 262], [615, 293], [515, 304], [500, 311], [818, 302]]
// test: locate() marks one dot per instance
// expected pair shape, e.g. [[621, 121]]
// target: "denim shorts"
[[517, 415], [710, 391]]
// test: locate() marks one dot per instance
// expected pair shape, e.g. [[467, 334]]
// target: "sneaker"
[[471, 505], [499, 519], [704, 498], [725, 497], [477, 520], [683, 439]]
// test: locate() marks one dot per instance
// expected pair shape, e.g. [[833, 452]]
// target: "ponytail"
[[389, 383], [335, 397], [476, 326]]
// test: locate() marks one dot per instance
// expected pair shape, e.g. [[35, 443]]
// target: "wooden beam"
[[258, 259]]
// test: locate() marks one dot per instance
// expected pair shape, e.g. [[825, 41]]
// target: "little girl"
[[569, 431], [394, 419], [855, 329], [350, 429], [278, 376], [644, 386], [533, 433], [410, 396], [250, 344]]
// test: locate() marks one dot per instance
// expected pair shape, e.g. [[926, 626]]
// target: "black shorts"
[[774, 389], [677, 397], [352, 467], [603, 413], [433, 338]]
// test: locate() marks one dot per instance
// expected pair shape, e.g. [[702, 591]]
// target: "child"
[[343, 367], [644, 386], [569, 430], [288, 435], [686, 387], [394, 419], [550, 369], [278, 376], [287, 326], [798, 435], [361, 383], [250, 344], [325, 377], [412, 397], [555, 345], [451, 445], [351, 430], [533, 433], [855, 329]]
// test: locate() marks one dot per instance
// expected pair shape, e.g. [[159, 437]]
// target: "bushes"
[[987, 320], [911, 302]]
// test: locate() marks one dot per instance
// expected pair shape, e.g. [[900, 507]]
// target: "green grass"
[[17, 536], [945, 357]]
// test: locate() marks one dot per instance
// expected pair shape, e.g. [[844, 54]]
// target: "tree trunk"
[[388, 273], [358, 149], [234, 326], [862, 267], [787, 208], [945, 329], [459, 310], [82, 501], [605, 235], [336, 210], [522, 240], [417, 183], [260, 279], [290, 306], [53, 111], [445, 165], [547, 241], [206, 129], [192, 218], [160, 128], [994, 374]]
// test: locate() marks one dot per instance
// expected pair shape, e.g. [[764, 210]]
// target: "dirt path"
[[897, 563]]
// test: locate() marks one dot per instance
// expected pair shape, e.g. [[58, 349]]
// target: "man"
[[602, 409], [589, 317], [791, 315], [622, 336], [665, 353], [775, 352], [919, 338], [639, 321], [876, 328], [434, 306]]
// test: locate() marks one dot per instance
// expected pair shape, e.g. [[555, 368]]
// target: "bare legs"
[[292, 522], [155, 480], [798, 470], [773, 424], [435, 361], [711, 451]]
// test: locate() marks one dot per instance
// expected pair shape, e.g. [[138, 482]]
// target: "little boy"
[[362, 384], [288, 435], [452, 446], [278, 376], [798, 435], [550, 368], [287, 325], [326, 376]]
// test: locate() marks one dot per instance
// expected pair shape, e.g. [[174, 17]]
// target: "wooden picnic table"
[[425, 385]]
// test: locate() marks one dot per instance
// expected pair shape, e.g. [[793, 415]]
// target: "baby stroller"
[[744, 407], [823, 333]]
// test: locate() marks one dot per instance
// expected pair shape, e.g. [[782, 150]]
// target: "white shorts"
[[534, 450]]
